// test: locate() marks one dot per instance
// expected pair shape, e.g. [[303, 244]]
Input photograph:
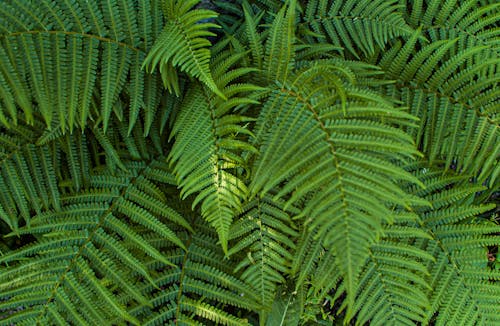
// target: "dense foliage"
[[249, 162]]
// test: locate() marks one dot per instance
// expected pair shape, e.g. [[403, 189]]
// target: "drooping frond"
[[465, 289], [393, 285], [473, 23], [36, 162], [254, 38], [358, 26], [27, 179], [198, 289], [209, 139], [71, 52], [280, 44], [265, 241], [89, 257], [326, 140], [183, 44], [457, 104]]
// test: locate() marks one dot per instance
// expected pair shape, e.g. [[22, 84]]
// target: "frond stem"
[[181, 279]]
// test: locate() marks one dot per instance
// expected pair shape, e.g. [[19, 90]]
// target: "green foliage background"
[[249, 162]]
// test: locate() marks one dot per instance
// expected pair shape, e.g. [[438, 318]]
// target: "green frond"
[[91, 250], [184, 44], [253, 35], [357, 26], [27, 176], [456, 111], [71, 51], [325, 276], [463, 286], [265, 243], [393, 284], [307, 257], [116, 63], [193, 290], [307, 134], [208, 167], [473, 23], [280, 43]]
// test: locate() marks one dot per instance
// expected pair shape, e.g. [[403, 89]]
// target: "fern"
[[27, 177], [195, 288], [325, 146], [388, 294], [217, 157], [461, 281], [251, 162], [473, 23], [280, 45], [455, 124], [88, 251], [58, 75], [357, 26], [183, 43], [265, 234]]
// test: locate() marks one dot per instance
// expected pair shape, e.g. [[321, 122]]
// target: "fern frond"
[[265, 242], [472, 22], [361, 26], [208, 167], [116, 63], [184, 44], [312, 132], [464, 288], [393, 284], [27, 175], [313, 262], [68, 52], [193, 291], [253, 35], [456, 110], [279, 47], [89, 251]]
